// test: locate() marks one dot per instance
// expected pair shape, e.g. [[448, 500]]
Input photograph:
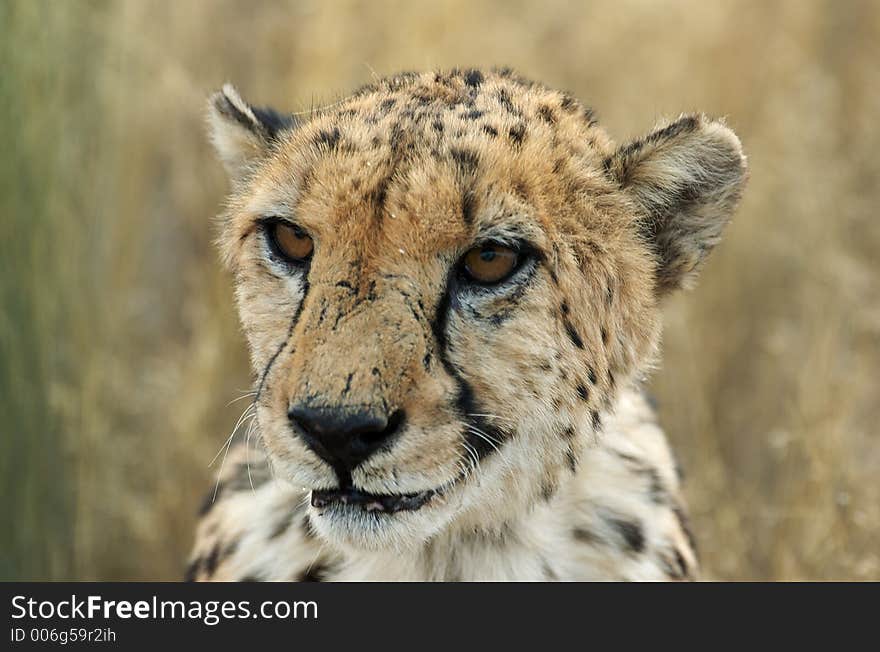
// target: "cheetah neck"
[[525, 549]]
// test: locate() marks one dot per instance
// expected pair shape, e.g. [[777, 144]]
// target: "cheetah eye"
[[289, 242], [490, 263]]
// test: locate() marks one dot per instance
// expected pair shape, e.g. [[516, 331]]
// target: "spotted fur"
[[522, 403]]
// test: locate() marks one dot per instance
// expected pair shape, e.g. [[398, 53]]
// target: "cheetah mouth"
[[375, 503]]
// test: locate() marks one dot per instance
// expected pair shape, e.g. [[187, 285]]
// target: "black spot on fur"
[[473, 78], [386, 105], [473, 114], [597, 421], [378, 194], [569, 104], [590, 117], [328, 138], [490, 130], [212, 559], [591, 374], [192, 570], [438, 126], [521, 189], [573, 335], [674, 566], [468, 201], [229, 550], [314, 573], [656, 488], [681, 563], [546, 114], [517, 133], [571, 459], [604, 334], [631, 533], [466, 160], [583, 392], [506, 103], [584, 535], [564, 307]]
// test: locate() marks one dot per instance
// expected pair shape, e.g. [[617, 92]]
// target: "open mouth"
[[388, 503]]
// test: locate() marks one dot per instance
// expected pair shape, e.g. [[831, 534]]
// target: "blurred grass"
[[119, 348]]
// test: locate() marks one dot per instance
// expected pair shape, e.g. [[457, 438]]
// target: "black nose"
[[344, 437]]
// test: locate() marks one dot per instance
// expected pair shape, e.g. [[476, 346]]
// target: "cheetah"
[[450, 284]]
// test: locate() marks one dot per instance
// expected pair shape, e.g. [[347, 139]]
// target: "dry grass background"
[[118, 341]]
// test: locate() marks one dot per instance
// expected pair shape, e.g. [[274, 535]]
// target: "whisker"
[[220, 474], [485, 436], [244, 415], [474, 458], [249, 412], [241, 398], [247, 448], [492, 416]]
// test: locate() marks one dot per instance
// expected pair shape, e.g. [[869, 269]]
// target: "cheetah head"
[[444, 279]]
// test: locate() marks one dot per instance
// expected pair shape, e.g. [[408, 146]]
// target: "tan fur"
[[505, 391]]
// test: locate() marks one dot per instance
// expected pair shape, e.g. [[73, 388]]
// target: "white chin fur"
[[352, 527]]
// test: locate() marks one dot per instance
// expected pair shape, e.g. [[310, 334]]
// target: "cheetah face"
[[443, 279]]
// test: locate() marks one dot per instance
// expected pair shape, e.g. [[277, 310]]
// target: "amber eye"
[[490, 263], [290, 242]]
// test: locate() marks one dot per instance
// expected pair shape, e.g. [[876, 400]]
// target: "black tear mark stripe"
[[483, 437], [293, 322]]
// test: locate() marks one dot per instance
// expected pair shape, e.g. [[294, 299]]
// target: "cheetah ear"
[[686, 178], [241, 133]]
